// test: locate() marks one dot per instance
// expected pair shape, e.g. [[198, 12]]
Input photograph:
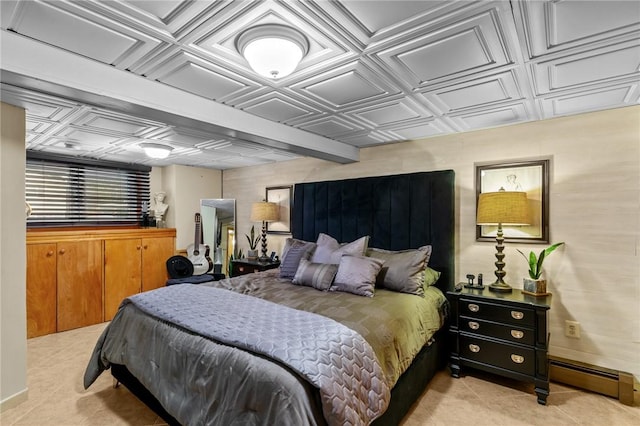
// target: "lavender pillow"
[[316, 275], [328, 249], [357, 275], [291, 259], [403, 271]]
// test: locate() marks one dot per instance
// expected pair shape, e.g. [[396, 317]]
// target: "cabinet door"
[[122, 272], [155, 252], [79, 284], [41, 289]]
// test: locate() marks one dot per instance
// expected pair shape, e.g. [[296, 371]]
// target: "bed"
[[161, 346]]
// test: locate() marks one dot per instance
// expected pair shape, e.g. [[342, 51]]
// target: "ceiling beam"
[[37, 66]]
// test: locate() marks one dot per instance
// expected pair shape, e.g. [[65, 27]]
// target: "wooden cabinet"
[[133, 265], [122, 272], [64, 286], [77, 278], [155, 252], [41, 289], [503, 333], [79, 282]]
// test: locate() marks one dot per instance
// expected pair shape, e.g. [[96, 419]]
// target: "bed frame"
[[397, 212]]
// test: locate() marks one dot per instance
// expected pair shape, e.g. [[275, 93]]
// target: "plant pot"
[[252, 254], [534, 287]]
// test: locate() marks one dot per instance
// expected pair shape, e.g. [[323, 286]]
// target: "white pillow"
[[328, 250]]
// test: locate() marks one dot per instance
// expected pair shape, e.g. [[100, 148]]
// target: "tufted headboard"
[[397, 212]]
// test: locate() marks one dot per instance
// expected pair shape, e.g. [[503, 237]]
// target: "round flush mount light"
[[156, 150], [272, 50]]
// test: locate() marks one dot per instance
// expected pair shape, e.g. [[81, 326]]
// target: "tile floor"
[[56, 365]]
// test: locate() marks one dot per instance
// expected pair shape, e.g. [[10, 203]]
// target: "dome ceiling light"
[[156, 150], [273, 51]]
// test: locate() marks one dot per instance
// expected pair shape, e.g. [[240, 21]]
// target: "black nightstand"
[[502, 333], [244, 266]]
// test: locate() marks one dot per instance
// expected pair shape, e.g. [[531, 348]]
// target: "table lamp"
[[502, 208], [264, 212]]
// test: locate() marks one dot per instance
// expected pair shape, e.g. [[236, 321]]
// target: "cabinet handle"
[[518, 359], [517, 334], [474, 325], [62, 251], [476, 348], [137, 247], [473, 307], [145, 246], [517, 315], [50, 253]]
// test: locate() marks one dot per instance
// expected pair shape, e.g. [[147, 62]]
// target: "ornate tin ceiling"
[[377, 72]]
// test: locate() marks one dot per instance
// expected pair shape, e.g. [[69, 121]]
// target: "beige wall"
[[594, 208], [13, 317], [185, 187]]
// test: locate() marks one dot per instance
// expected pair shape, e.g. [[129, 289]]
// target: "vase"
[[252, 254], [534, 287]]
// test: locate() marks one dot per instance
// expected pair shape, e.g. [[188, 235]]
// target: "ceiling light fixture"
[[272, 50], [156, 150]]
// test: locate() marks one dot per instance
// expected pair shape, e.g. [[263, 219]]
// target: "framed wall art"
[[531, 177], [283, 196]]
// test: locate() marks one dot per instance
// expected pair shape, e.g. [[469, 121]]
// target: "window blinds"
[[70, 191]]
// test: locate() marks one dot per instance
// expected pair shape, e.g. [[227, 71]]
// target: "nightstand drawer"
[[511, 357], [512, 333], [497, 313]]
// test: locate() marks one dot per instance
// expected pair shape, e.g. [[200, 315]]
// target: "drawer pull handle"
[[518, 359], [474, 325], [517, 334], [517, 315], [473, 307], [476, 348]]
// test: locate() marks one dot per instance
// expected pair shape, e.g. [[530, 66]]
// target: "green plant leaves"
[[253, 240], [535, 262]]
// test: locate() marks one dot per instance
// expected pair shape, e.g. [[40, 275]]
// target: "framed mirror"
[[219, 230]]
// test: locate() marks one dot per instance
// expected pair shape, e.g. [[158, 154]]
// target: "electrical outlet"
[[572, 329]]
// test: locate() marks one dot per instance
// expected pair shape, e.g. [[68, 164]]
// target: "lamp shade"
[[265, 212], [503, 207], [156, 150], [272, 50]]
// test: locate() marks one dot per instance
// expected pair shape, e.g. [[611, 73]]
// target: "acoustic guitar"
[[197, 252]]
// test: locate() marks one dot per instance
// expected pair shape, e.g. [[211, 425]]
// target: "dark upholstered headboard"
[[397, 212]]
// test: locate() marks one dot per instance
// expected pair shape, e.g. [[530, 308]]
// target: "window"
[[68, 191]]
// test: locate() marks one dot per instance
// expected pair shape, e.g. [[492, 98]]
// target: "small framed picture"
[[531, 177], [281, 195]]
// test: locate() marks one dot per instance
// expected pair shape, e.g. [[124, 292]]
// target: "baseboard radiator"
[[613, 383]]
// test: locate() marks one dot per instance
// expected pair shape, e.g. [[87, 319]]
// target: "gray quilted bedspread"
[[330, 356]]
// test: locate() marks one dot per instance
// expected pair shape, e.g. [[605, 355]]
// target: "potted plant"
[[252, 253], [534, 284]]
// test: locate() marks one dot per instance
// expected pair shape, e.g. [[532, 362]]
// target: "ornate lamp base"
[[500, 285]]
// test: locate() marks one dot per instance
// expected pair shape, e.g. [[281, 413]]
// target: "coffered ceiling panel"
[[376, 72], [589, 67], [479, 93], [591, 100], [427, 56], [552, 26], [188, 73]]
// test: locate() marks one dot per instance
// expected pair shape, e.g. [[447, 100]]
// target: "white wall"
[[185, 187], [594, 208], [13, 298]]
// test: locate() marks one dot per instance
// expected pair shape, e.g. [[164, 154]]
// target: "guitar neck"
[[196, 237]]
